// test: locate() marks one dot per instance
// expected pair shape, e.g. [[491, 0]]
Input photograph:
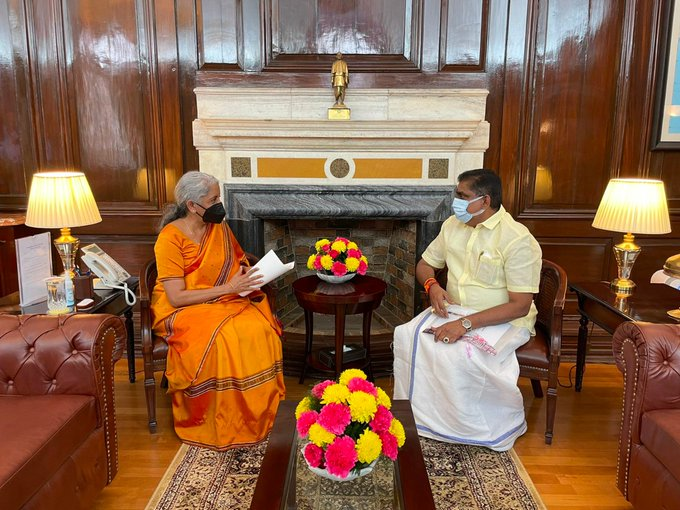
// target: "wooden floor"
[[576, 472]]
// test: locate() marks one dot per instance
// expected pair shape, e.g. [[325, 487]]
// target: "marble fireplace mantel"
[[395, 136]]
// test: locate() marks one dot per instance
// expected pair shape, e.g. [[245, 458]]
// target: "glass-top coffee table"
[[285, 482]]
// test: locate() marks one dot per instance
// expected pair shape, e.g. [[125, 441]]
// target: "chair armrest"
[[648, 355], [66, 354]]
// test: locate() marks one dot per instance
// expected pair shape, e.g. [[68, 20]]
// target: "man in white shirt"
[[460, 393]]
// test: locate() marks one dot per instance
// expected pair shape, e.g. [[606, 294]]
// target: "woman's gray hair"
[[192, 186]]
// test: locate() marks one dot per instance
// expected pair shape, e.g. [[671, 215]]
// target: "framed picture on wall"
[[666, 122]]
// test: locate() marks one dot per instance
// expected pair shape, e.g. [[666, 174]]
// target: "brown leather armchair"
[[58, 440], [648, 472], [539, 358]]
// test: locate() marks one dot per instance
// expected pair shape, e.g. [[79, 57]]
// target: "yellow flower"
[[339, 246], [383, 399], [321, 243], [320, 436], [362, 406], [352, 264], [363, 257], [310, 261], [368, 446], [397, 430], [335, 393], [349, 374], [326, 262], [352, 246], [304, 405]]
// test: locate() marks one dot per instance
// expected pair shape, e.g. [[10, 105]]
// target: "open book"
[[271, 267]]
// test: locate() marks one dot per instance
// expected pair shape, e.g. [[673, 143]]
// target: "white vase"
[[331, 278], [351, 476]]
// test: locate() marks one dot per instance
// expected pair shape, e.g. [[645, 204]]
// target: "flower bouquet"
[[348, 425], [337, 261]]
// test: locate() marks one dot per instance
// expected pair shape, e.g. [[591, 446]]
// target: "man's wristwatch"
[[466, 324]]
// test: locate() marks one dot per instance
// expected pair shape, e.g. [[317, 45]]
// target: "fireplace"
[[394, 223]]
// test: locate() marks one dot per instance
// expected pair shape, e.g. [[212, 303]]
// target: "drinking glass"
[[56, 295]]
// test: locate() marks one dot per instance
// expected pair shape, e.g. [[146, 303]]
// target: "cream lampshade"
[[632, 206], [62, 200]]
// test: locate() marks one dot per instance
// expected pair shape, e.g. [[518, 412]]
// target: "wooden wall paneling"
[[56, 145], [582, 259], [571, 118], [166, 76], [495, 67], [113, 96], [217, 28], [187, 44], [516, 96], [464, 28], [17, 148]]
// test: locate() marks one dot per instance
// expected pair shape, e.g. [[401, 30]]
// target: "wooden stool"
[[362, 294]]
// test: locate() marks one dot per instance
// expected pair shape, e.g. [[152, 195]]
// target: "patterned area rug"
[[461, 477]]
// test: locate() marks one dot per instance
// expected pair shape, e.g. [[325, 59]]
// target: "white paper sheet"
[[271, 267], [34, 264], [661, 277]]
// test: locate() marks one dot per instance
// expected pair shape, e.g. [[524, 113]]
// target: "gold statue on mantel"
[[339, 82]]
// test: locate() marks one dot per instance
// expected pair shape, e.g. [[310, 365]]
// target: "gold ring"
[[445, 340]]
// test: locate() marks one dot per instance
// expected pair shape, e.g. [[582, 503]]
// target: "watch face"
[[466, 324]]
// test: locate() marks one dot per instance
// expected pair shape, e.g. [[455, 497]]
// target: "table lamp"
[[62, 200], [632, 206]]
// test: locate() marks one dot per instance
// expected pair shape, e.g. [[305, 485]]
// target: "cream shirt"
[[486, 261]]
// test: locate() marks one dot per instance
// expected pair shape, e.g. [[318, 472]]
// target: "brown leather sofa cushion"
[[535, 353], [44, 430], [660, 434]]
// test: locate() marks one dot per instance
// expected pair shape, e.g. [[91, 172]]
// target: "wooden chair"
[[154, 348], [539, 358]]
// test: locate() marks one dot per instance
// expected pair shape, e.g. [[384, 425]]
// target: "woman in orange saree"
[[224, 368]]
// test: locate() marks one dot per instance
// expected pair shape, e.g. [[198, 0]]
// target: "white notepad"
[[270, 267]]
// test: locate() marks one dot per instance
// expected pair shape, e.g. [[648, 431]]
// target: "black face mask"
[[213, 214]]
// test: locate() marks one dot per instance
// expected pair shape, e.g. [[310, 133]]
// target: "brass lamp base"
[[67, 247], [626, 253], [674, 313]]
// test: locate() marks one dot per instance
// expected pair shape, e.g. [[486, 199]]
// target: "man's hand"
[[439, 299], [449, 332]]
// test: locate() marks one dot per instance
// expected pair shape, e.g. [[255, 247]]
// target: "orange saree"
[[224, 370]]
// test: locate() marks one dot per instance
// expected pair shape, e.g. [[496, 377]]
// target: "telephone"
[[110, 272]]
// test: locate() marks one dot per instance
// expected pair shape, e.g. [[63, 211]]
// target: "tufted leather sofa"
[[58, 442], [649, 445]]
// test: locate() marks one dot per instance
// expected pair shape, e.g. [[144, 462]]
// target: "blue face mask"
[[460, 206]]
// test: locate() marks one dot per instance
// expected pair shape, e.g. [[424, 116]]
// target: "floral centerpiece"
[[340, 258], [348, 425]]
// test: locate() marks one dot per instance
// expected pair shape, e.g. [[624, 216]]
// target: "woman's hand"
[[247, 279]]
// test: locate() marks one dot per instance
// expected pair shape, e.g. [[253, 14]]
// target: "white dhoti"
[[458, 392]]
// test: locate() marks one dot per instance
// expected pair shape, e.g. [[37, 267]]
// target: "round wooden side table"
[[362, 294]]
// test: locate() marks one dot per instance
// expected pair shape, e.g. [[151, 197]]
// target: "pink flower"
[[359, 384], [362, 267], [326, 248], [306, 420], [334, 254], [335, 417], [389, 445], [339, 268], [341, 455], [343, 239], [382, 420], [317, 390], [354, 253], [317, 263], [313, 454]]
